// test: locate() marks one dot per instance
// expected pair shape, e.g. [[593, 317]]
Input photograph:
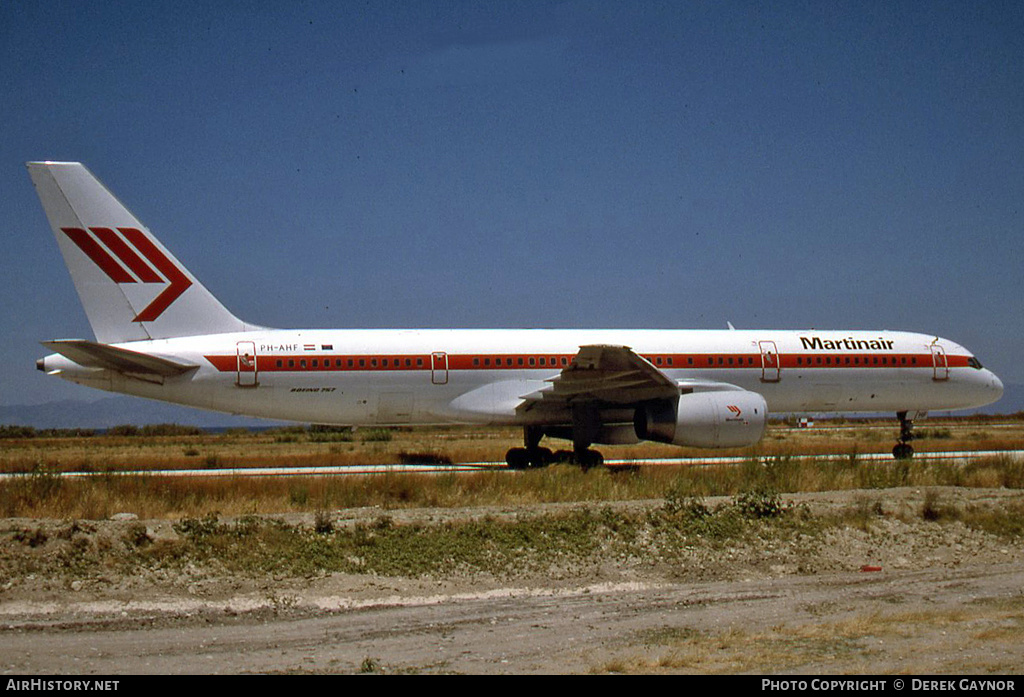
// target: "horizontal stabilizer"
[[93, 355]]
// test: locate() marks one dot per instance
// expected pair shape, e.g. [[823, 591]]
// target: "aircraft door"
[[247, 375], [940, 364], [439, 368], [771, 369]]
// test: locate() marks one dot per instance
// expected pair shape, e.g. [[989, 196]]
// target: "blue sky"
[[554, 164]]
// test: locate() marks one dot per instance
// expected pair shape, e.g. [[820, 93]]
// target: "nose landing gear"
[[903, 449]]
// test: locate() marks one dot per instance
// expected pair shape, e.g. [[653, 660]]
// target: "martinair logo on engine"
[[99, 243], [736, 413]]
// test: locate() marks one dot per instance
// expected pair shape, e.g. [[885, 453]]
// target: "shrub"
[[759, 503]]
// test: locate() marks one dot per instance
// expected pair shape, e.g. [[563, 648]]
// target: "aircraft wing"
[[94, 355], [614, 375], [605, 374]]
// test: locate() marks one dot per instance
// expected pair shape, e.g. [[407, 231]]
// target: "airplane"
[[160, 334]]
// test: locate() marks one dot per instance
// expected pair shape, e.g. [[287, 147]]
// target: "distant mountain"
[[114, 411]]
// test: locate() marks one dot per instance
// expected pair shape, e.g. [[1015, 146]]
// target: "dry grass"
[[290, 447], [38, 494], [866, 642]]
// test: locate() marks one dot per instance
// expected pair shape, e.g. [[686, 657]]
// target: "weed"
[[759, 503], [320, 433], [377, 435], [198, 528], [322, 523], [136, 535], [299, 495], [33, 538], [680, 502], [933, 509], [371, 665]]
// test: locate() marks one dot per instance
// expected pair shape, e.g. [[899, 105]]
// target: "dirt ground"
[[902, 594]]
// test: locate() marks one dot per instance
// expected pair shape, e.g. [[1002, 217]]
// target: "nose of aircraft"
[[996, 386]]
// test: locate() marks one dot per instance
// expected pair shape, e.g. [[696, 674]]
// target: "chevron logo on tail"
[[132, 250]]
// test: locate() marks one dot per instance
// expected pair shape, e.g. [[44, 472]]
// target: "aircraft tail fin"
[[131, 287]]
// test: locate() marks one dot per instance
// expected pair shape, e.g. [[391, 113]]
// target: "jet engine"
[[726, 419]]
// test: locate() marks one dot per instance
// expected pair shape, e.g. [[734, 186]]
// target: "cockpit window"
[[974, 363]]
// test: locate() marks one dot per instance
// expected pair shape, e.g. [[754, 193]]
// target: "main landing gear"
[[533, 456], [903, 449]]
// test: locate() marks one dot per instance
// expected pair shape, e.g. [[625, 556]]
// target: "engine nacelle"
[[727, 419]]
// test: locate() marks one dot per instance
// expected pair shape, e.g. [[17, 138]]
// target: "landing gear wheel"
[[562, 457], [903, 451], [539, 457], [588, 459], [527, 458], [517, 458]]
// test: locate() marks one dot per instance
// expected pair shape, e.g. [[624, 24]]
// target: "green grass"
[[578, 538]]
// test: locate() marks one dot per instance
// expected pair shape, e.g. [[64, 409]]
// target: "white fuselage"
[[440, 376]]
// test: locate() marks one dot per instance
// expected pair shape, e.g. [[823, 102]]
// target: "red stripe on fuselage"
[[675, 361]]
